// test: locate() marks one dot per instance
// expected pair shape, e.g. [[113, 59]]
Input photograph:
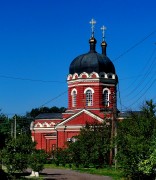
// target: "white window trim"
[[74, 99], [92, 90], [106, 89], [73, 91], [88, 89]]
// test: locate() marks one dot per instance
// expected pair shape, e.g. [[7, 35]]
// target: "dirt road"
[[63, 174]]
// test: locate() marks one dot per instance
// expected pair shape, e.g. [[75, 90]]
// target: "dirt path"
[[63, 174]]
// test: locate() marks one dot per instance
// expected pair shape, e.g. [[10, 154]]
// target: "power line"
[[47, 102], [143, 93], [54, 98], [142, 88], [142, 80], [122, 79], [119, 96], [135, 45], [33, 80], [45, 81]]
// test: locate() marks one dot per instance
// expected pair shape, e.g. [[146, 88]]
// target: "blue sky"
[[39, 39]]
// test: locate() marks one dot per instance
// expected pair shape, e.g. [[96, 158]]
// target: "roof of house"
[[49, 116]]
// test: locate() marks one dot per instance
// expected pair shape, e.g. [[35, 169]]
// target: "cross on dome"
[[92, 22], [103, 28]]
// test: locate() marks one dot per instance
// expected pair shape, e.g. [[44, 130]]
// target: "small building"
[[91, 81]]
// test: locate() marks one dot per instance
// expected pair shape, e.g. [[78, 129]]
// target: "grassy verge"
[[115, 174], [111, 172]]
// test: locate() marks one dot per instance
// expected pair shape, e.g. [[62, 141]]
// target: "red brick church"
[[92, 84]]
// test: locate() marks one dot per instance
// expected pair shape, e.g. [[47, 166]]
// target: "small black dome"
[[91, 62]]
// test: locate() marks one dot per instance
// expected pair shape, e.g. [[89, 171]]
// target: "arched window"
[[74, 94], [105, 98], [89, 98], [74, 99], [106, 93]]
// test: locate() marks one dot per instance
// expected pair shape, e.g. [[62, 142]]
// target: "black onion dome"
[[92, 61]]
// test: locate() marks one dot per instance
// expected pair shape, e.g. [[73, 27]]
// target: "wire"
[[142, 88], [119, 96], [54, 98], [135, 45], [44, 81], [8, 114], [143, 70], [27, 79], [142, 80], [143, 93], [134, 77]]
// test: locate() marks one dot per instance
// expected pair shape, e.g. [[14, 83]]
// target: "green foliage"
[[91, 146], [74, 150], [22, 124], [16, 153], [148, 166], [134, 139], [4, 129], [37, 159], [4, 124], [35, 112], [61, 156], [7, 127]]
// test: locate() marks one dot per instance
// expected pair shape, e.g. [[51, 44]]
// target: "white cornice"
[[95, 84], [69, 128], [43, 128], [83, 80]]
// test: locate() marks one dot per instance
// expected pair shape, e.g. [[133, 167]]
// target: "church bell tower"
[[92, 80]]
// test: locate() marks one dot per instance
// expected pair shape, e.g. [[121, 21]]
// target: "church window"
[[106, 93], [89, 96], [74, 94], [74, 99]]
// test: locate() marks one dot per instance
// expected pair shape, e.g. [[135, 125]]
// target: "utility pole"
[[12, 129], [15, 126], [113, 131], [111, 143]]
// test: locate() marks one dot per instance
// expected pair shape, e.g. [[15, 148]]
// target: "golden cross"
[[103, 28], [92, 22]]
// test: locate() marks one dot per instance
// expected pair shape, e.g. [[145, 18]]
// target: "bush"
[[37, 160], [16, 153]]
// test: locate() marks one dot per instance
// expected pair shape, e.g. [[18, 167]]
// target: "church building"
[[91, 84]]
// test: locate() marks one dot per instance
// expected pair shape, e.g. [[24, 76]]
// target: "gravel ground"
[[63, 174]]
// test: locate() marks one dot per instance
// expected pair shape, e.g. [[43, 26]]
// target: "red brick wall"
[[97, 96]]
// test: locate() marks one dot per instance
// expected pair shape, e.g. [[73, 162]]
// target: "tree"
[[35, 112], [16, 153], [134, 139], [37, 160], [92, 145], [148, 166], [61, 156], [5, 129]]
